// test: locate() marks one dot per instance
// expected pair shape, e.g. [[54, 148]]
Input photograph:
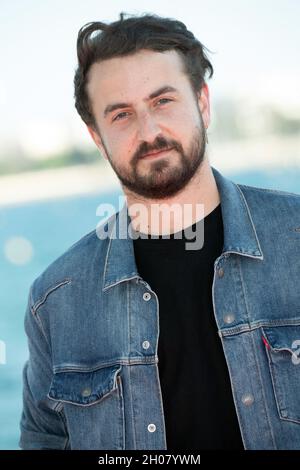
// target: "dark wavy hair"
[[98, 41]]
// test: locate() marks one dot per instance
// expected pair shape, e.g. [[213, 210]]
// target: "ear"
[[204, 104], [98, 141]]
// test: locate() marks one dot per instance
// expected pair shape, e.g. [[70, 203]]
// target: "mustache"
[[159, 145]]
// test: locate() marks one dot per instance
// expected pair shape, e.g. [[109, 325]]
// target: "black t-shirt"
[[197, 398]]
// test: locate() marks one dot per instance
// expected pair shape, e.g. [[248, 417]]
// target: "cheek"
[[115, 142], [182, 126], [183, 120], [121, 147]]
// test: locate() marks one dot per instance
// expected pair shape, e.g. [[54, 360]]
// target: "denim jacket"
[[90, 384]]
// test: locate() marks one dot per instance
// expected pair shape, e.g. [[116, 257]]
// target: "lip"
[[158, 153]]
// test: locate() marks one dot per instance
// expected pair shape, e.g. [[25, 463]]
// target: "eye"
[[164, 99], [116, 118]]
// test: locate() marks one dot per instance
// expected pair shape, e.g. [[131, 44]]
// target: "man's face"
[[144, 103]]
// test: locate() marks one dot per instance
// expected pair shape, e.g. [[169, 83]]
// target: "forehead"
[[135, 76]]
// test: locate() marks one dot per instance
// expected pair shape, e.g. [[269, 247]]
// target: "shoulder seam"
[[268, 190]]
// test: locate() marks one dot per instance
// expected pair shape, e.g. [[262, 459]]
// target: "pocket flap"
[[282, 338], [84, 388], [283, 352]]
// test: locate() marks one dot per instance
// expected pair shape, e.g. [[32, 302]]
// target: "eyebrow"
[[112, 107]]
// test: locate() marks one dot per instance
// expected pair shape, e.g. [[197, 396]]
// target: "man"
[[137, 342]]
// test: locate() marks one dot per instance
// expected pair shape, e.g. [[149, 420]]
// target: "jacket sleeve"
[[42, 422]]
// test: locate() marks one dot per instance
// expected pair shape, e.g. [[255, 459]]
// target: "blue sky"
[[255, 44]]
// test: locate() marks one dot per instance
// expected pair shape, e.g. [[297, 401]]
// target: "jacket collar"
[[239, 230], [240, 236]]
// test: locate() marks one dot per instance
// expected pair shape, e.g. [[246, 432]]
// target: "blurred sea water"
[[50, 228]]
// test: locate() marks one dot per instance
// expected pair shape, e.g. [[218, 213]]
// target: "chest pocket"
[[283, 349], [93, 406]]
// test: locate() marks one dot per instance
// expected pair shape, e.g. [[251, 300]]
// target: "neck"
[[163, 217]]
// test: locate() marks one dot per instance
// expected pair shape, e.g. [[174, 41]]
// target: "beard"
[[163, 178]]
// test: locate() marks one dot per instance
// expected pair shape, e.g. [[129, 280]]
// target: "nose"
[[148, 128]]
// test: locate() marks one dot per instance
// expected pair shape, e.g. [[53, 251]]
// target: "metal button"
[[146, 344], [86, 392], [151, 427], [221, 272], [248, 399], [229, 318], [146, 296]]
